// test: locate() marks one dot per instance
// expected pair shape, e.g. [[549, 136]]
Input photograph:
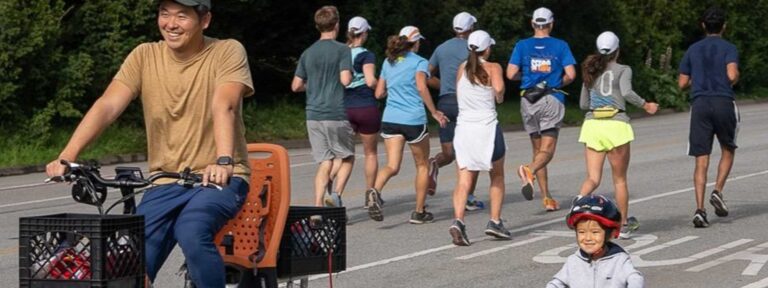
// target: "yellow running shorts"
[[604, 135]]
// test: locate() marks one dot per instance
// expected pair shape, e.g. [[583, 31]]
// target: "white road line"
[[35, 201], [759, 284], [524, 228], [494, 250]]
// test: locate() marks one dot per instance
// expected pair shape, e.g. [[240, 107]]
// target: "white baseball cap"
[[463, 21], [607, 42], [480, 39], [412, 33], [359, 25], [542, 16]]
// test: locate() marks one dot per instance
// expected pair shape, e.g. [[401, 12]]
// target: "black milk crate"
[[309, 233], [81, 251]]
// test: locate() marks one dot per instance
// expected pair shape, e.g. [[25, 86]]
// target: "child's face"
[[590, 236]]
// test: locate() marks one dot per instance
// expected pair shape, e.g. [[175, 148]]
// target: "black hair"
[[713, 20]]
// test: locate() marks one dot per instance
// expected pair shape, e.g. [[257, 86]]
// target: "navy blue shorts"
[[448, 105], [499, 147], [712, 116]]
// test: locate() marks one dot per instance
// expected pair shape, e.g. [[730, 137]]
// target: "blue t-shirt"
[[357, 94], [404, 104], [542, 59], [447, 58], [706, 61]]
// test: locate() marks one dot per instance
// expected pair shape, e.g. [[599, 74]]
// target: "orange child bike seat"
[[266, 207]]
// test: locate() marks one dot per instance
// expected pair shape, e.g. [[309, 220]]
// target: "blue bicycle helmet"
[[598, 208]]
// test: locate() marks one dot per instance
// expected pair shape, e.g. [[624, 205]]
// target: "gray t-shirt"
[[447, 58], [320, 65], [612, 88]]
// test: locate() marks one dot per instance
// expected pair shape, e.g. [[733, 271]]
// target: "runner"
[[193, 120], [711, 68], [362, 107], [403, 81], [479, 142], [546, 64], [606, 130], [445, 62], [598, 262], [323, 71]]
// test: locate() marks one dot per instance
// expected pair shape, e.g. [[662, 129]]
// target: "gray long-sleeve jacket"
[[613, 270], [612, 88]]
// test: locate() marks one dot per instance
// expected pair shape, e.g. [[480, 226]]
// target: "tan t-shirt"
[[177, 96]]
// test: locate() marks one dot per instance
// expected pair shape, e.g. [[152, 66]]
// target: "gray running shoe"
[[716, 199], [421, 218], [700, 219], [497, 231], [373, 198], [459, 233], [628, 229], [333, 200], [365, 206]]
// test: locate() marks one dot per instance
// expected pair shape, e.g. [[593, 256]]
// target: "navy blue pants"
[[190, 217]]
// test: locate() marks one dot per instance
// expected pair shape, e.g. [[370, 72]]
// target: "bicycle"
[[249, 243]]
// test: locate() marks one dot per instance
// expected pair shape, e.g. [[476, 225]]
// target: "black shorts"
[[411, 133], [712, 116]]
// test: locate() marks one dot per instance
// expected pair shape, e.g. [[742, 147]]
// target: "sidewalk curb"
[[304, 143]]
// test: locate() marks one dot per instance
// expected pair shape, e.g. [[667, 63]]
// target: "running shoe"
[[550, 204], [629, 228], [333, 200], [459, 233], [434, 169], [374, 204], [526, 177], [365, 206], [473, 204], [421, 218], [716, 199], [497, 230], [700, 219]]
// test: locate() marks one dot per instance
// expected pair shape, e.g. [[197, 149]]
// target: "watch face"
[[224, 160]]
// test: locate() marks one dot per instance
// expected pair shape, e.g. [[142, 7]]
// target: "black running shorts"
[[712, 116]]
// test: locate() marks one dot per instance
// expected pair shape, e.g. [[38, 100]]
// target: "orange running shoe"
[[550, 204], [526, 177]]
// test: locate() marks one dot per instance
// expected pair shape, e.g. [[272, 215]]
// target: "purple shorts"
[[365, 120]]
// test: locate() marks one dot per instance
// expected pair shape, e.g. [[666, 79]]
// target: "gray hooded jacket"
[[613, 270]]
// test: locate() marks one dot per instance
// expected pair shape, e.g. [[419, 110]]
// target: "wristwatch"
[[225, 160]]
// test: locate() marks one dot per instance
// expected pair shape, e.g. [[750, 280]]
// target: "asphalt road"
[[669, 251]]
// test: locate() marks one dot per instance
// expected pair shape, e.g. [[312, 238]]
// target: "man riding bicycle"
[[191, 89]]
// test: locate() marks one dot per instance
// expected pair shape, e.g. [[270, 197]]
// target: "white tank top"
[[476, 102]]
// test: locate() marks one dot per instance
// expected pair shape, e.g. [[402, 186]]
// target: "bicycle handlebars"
[[91, 188]]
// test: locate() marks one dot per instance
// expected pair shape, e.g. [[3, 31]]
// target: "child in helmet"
[[598, 262]]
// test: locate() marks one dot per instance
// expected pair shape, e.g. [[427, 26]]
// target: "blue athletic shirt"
[[357, 94], [447, 58], [706, 61], [542, 59], [404, 105]]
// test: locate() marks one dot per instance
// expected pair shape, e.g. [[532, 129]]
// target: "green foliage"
[[57, 56]]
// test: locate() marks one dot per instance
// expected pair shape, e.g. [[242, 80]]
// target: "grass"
[[18, 150]]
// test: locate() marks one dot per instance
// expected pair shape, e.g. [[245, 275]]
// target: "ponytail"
[[397, 46], [353, 35], [594, 66], [474, 69]]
